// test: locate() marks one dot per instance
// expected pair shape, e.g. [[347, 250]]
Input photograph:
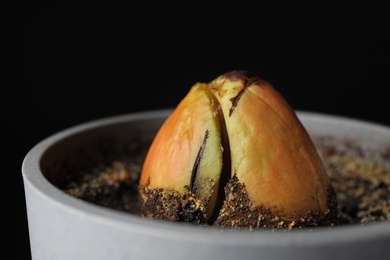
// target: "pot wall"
[[64, 227]]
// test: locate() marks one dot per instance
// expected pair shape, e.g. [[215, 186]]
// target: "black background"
[[77, 62]]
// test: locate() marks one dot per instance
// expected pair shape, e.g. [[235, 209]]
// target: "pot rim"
[[33, 177]]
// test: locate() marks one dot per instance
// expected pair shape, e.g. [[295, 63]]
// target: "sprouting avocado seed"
[[233, 153]]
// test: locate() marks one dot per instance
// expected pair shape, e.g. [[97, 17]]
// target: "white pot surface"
[[64, 227]]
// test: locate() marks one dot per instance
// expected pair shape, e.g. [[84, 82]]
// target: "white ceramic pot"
[[64, 227]]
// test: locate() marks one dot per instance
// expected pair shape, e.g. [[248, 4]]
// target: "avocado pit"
[[233, 149]]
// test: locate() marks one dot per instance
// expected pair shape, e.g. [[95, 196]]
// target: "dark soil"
[[360, 178]]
